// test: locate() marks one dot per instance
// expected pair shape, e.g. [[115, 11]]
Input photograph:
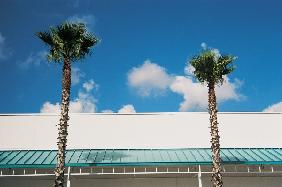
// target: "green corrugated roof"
[[138, 157]]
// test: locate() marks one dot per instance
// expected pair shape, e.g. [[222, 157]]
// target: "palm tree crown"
[[68, 41], [210, 66]]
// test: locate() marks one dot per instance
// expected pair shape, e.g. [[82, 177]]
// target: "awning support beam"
[[68, 181], [200, 177]]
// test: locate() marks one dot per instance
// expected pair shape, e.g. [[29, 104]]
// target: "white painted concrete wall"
[[145, 182], [155, 130]]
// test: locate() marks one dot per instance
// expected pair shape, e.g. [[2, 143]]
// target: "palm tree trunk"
[[215, 146], [63, 124]]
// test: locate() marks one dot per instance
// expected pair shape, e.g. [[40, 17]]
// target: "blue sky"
[[141, 60]]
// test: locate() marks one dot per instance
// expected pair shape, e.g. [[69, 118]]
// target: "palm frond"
[[68, 40], [45, 37]]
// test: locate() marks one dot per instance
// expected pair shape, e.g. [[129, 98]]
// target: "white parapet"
[[146, 130]]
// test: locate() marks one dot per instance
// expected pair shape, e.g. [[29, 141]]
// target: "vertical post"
[[68, 181], [259, 169], [134, 171], [272, 169], [200, 177]]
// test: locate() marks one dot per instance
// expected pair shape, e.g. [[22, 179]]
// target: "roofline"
[[141, 113]]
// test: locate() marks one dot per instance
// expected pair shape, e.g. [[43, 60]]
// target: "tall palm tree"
[[68, 42], [210, 68]]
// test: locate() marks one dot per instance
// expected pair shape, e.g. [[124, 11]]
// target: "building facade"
[[144, 150]]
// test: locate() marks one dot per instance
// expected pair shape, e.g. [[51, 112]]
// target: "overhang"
[[139, 157]]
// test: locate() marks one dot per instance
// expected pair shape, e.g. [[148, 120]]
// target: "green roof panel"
[[139, 157], [51, 158], [9, 157], [17, 158]]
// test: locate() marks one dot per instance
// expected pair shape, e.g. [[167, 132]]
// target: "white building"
[[152, 149]]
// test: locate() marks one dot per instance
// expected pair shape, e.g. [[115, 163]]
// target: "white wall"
[[157, 130]]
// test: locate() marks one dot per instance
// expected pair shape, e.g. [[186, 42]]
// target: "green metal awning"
[[139, 157]]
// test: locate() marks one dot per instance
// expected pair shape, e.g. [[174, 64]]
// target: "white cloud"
[[107, 111], [124, 109], [48, 107], [189, 70], [89, 20], [195, 94], [217, 54], [4, 52], [152, 79], [127, 109], [76, 75], [204, 45], [34, 59], [89, 85], [229, 90], [277, 107], [85, 102], [149, 79]]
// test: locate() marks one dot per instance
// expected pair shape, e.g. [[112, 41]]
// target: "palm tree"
[[68, 42], [211, 67]]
